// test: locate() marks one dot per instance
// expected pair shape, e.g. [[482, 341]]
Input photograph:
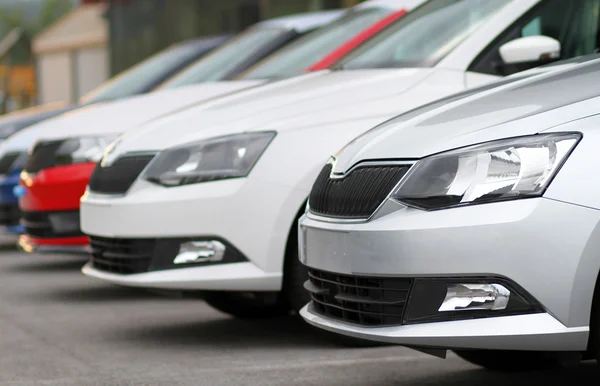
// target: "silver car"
[[470, 224]]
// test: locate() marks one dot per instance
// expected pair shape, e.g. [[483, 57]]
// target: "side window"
[[573, 23]]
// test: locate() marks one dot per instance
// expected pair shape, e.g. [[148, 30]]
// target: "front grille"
[[366, 301], [7, 161], [117, 178], [356, 195], [121, 256], [51, 224], [43, 156], [10, 215]]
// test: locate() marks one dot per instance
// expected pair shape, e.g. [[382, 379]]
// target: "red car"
[[50, 203]]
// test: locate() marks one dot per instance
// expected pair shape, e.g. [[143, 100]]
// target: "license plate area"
[[325, 249]]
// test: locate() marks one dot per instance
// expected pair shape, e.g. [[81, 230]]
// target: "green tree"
[[17, 17]]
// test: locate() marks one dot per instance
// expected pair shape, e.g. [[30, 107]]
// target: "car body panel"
[[113, 118], [321, 111], [547, 245], [493, 114]]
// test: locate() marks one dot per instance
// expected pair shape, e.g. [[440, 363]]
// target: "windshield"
[[426, 35], [220, 62], [145, 75], [300, 55]]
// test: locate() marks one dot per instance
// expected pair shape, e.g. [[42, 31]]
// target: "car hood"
[[20, 141], [15, 121], [305, 100], [523, 107], [114, 117]]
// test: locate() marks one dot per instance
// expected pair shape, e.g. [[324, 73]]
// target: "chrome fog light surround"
[[459, 298], [472, 297], [200, 252]]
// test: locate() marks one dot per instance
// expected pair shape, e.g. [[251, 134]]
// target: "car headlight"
[[494, 171], [20, 161], [81, 150], [210, 160]]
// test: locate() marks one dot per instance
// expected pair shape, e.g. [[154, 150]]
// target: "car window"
[[144, 75], [219, 63], [573, 23], [300, 55], [426, 35]]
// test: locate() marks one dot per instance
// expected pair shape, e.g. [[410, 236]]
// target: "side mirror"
[[530, 49]]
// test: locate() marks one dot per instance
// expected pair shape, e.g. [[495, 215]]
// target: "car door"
[[573, 23]]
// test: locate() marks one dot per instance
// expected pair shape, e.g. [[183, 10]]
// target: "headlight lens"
[[80, 150], [214, 159], [500, 170], [20, 161]]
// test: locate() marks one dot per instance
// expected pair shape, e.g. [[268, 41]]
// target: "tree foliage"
[[32, 18]]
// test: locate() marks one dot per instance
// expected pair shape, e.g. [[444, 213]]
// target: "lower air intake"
[[365, 301]]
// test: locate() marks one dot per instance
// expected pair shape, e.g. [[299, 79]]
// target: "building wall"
[[54, 72], [65, 76], [139, 28], [91, 69]]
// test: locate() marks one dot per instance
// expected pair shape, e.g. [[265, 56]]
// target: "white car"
[[177, 92], [50, 203], [226, 71], [470, 224], [208, 199]]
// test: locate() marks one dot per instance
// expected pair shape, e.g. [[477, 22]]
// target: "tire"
[[507, 361], [295, 274], [594, 343], [247, 305]]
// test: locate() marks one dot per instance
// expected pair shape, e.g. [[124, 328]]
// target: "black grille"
[[358, 194], [365, 301], [117, 178], [43, 156], [10, 215], [122, 256], [7, 161], [39, 224]]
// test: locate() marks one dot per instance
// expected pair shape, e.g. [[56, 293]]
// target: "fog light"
[[200, 252], [466, 297]]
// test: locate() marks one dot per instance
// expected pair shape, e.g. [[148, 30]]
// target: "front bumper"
[[535, 332], [523, 241], [74, 245], [252, 215], [50, 210], [229, 277], [9, 204]]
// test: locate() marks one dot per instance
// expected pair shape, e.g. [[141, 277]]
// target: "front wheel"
[[508, 361]]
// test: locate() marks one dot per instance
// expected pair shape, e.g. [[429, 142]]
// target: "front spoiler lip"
[[243, 276], [531, 332], [26, 244]]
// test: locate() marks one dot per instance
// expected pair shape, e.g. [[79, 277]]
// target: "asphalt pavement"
[[58, 327]]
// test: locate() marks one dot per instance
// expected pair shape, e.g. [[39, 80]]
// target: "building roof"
[[84, 26]]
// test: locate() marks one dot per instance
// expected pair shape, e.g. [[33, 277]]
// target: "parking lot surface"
[[58, 327]]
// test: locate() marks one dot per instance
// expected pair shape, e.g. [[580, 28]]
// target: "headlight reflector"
[[209, 160], [499, 170]]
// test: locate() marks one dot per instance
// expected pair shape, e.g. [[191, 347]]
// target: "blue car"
[[10, 169]]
